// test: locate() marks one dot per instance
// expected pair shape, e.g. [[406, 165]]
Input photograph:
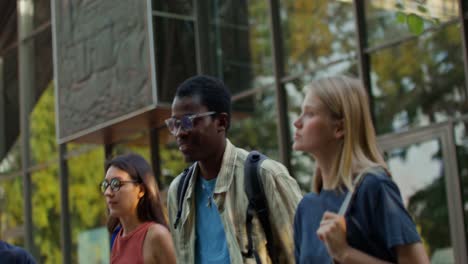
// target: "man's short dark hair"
[[213, 93]]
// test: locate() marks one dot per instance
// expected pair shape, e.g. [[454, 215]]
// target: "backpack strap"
[[181, 190], [349, 199], [257, 205], [356, 183]]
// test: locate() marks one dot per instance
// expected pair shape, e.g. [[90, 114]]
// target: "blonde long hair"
[[345, 99]]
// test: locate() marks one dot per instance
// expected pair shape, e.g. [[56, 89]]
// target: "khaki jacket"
[[282, 194]]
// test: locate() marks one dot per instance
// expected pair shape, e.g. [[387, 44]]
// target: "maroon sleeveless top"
[[129, 249]]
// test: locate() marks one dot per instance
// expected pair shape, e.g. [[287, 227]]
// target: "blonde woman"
[[335, 128]]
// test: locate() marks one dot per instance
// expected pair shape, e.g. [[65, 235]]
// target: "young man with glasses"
[[211, 225]]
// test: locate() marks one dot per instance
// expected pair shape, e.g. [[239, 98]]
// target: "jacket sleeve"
[[283, 195]]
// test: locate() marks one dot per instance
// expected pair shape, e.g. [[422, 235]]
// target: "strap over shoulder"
[[356, 183], [258, 205], [181, 190]]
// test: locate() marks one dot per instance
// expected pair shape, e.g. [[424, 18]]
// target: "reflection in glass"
[[10, 93], [316, 33], [180, 7], [41, 12], [175, 54], [93, 246], [11, 163], [46, 214], [388, 20], [11, 210], [43, 68], [172, 160], [461, 141], [419, 82], [256, 128], [238, 47], [87, 204], [44, 148], [419, 173]]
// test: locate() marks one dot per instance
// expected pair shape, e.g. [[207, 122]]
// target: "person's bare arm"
[[412, 253], [332, 232], [159, 246]]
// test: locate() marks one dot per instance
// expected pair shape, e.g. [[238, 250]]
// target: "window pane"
[[418, 172], [419, 82], [11, 163], [316, 33], [172, 160], [389, 20], [257, 128], [181, 7], [238, 46], [461, 141], [41, 12], [87, 205], [10, 93], [46, 214], [42, 125], [12, 210], [175, 54]]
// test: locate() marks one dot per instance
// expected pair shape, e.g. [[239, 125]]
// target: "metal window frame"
[[2, 107], [26, 93], [463, 9], [363, 56], [444, 133], [284, 137]]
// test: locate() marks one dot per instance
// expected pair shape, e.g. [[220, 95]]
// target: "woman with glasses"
[[134, 205], [355, 214]]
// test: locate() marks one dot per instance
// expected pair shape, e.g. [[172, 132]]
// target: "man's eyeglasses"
[[114, 184], [185, 122]]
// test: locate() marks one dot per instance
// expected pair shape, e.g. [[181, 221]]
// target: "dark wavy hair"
[[149, 206], [214, 94]]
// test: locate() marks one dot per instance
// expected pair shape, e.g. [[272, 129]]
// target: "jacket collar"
[[225, 174]]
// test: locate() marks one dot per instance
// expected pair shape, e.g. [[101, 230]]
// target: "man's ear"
[[339, 129], [223, 121]]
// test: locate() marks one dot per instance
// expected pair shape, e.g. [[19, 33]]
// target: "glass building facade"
[[412, 57]]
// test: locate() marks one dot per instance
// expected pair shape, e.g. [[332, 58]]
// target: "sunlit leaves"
[[414, 20], [87, 205], [415, 24]]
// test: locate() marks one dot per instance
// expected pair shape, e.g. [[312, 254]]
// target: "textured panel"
[[102, 63]]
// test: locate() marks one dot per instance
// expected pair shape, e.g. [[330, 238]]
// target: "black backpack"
[[257, 203]]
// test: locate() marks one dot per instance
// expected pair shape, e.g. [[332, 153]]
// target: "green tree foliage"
[[418, 83], [415, 20], [86, 171], [421, 80], [316, 33], [45, 195]]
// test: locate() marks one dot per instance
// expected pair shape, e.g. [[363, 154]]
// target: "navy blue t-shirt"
[[376, 221], [14, 254]]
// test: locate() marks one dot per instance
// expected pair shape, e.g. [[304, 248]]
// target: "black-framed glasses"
[[185, 122], [114, 184]]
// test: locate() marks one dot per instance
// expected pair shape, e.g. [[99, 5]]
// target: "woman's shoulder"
[[377, 182], [308, 200], [310, 197], [156, 232], [376, 177], [158, 245]]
